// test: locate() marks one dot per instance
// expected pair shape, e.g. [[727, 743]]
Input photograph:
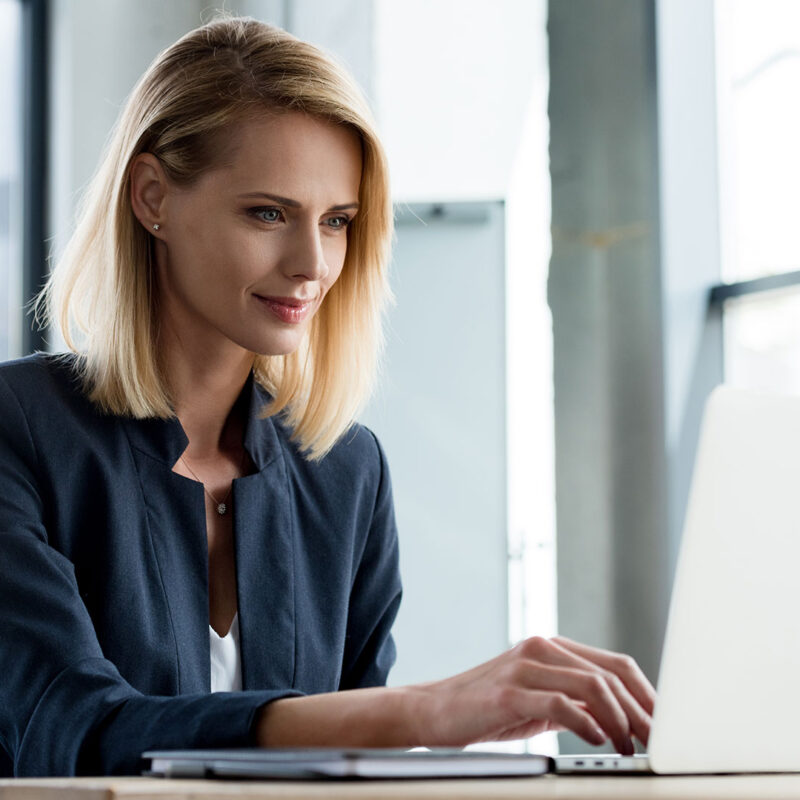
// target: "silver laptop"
[[728, 699]]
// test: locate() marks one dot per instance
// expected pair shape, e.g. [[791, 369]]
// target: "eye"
[[267, 213], [342, 221]]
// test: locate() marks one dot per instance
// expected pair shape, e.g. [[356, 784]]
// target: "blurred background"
[[597, 212]]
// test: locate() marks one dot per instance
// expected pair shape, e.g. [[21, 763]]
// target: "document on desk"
[[330, 763]]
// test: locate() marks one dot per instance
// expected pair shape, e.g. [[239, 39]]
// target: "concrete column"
[[605, 296]]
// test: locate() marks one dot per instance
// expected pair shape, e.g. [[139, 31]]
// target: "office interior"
[[595, 225]]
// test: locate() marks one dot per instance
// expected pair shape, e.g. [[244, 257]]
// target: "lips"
[[290, 310]]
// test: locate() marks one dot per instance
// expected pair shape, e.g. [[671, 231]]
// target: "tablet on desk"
[[327, 763]]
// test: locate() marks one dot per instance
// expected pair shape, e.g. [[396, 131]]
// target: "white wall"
[[440, 415], [346, 29], [454, 80]]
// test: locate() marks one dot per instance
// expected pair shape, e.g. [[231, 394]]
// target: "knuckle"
[[596, 686], [535, 647], [625, 664], [506, 697], [614, 682], [518, 671], [557, 704]]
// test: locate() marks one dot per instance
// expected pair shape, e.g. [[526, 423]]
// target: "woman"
[[185, 502]]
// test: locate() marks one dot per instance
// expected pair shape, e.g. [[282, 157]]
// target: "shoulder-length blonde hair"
[[102, 290]]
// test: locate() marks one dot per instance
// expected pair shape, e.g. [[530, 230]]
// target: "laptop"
[[728, 700], [331, 763]]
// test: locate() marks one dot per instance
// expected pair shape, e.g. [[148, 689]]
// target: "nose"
[[306, 258]]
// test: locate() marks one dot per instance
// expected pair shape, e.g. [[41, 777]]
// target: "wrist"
[[376, 717], [418, 712]]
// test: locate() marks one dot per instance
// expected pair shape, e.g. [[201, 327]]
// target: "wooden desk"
[[740, 787]]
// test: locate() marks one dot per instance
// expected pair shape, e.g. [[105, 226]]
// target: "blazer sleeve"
[[375, 597], [64, 708]]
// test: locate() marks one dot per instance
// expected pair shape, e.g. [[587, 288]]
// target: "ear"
[[148, 189]]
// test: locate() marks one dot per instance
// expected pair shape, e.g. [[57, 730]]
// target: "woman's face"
[[247, 253]]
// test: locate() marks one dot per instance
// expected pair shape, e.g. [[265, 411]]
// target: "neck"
[[205, 383]]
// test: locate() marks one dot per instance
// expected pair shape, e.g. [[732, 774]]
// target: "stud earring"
[[156, 227]]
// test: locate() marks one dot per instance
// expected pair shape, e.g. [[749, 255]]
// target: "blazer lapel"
[[263, 535], [263, 526], [176, 519]]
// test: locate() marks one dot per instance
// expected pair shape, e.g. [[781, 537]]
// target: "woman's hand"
[[541, 684]]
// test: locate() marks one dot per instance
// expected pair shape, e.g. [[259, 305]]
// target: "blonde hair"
[[103, 288]]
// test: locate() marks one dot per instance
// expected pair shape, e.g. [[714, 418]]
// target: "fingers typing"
[[620, 703]]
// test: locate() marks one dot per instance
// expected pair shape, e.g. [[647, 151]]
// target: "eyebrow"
[[285, 201]]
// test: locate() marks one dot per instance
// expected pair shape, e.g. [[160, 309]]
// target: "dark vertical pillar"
[[34, 246]]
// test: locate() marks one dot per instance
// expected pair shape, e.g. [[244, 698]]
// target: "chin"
[[274, 346]]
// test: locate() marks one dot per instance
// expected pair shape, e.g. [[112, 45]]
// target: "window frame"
[[767, 283], [35, 63]]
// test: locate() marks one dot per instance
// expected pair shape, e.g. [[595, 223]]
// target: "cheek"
[[224, 251], [334, 257], [197, 247]]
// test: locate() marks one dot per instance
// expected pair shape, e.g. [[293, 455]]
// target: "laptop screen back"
[[728, 697]]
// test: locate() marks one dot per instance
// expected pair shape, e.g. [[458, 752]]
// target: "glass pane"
[[758, 74], [10, 178], [762, 341]]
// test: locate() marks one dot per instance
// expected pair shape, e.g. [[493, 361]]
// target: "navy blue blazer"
[[104, 642]]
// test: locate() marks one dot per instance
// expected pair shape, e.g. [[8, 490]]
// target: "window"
[[758, 72], [10, 177]]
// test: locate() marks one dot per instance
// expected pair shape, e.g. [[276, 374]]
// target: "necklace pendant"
[[222, 509]]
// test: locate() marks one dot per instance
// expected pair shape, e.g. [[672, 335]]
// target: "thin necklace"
[[222, 507]]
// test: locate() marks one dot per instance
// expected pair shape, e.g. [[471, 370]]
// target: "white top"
[[226, 659]]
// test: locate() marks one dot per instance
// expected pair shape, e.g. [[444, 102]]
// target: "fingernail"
[[627, 748], [599, 736]]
